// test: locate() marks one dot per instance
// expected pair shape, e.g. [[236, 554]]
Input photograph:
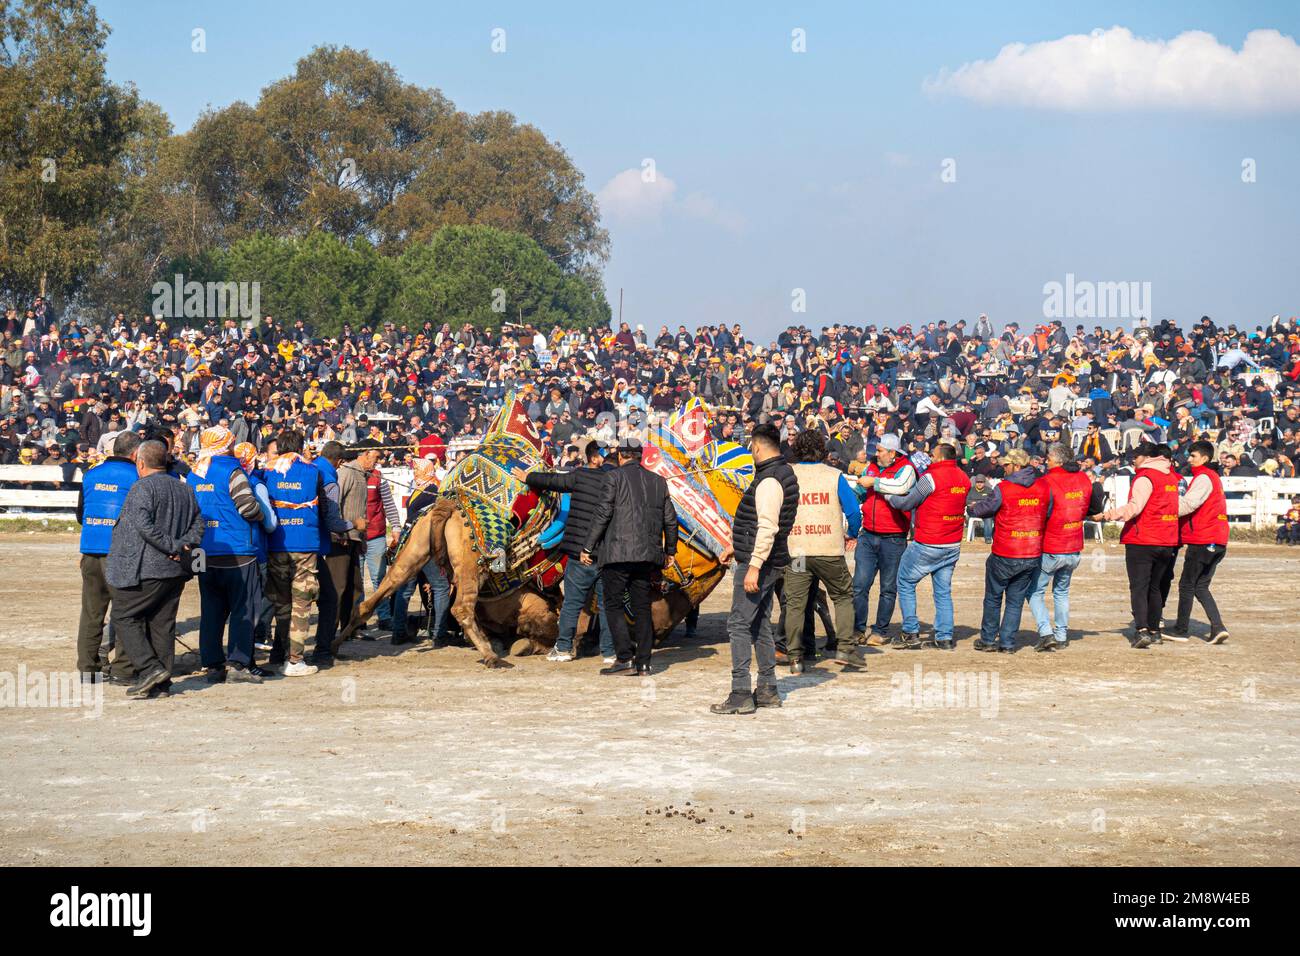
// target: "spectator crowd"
[[66, 388]]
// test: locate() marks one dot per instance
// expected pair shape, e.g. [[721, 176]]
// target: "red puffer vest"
[[1070, 492], [941, 517], [1157, 524], [1018, 525], [877, 515], [1208, 524]]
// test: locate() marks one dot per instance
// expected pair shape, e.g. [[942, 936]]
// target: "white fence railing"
[[1252, 502], [40, 491]]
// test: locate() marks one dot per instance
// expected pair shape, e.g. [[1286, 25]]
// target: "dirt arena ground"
[[1185, 753]]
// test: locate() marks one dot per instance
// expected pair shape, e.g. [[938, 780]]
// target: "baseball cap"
[[890, 442]]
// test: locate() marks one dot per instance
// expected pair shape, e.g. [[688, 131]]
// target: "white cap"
[[889, 441]]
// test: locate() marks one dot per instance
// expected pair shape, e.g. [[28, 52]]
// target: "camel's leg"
[[464, 607], [406, 565]]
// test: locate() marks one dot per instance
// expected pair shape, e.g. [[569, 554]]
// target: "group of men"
[[797, 523], [268, 538], [271, 541]]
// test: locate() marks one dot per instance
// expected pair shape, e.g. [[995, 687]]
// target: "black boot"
[[736, 703]]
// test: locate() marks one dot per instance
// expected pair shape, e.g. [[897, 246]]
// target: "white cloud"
[[629, 197], [1114, 70]]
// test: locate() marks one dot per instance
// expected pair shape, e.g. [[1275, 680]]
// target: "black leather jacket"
[[635, 519]]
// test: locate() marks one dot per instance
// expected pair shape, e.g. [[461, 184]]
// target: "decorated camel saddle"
[[503, 517]]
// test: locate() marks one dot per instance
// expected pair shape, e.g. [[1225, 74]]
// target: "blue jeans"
[[227, 594], [1012, 578], [1056, 569], [579, 579], [939, 561], [441, 602], [377, 563], [876, 552], [986, 528]]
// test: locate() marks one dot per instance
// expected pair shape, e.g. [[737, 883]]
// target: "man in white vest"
[[828, 518]]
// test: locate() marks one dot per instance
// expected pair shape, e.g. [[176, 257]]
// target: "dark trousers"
[[227, 595], [264, 612], [749, 628], [1199, 566], [1150, 569], [339, 575], [1012, 579], [635, 580], [145, 618], [95, 598]]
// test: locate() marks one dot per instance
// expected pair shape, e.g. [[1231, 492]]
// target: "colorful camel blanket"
[[504, 518]]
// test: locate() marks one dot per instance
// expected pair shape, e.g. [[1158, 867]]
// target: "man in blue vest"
[[228, 582], [103, 490], [306, 519]]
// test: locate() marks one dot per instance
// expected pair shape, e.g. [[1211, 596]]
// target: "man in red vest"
[[383, 522], [1203, 528], [1018, 506], [881, 539], [1150, 538], [938, 503], [1072, 497]]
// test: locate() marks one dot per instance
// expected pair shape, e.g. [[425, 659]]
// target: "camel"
[[440, 533], [526, 615]]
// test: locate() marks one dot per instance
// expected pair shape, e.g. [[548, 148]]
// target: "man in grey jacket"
[[149, 561]]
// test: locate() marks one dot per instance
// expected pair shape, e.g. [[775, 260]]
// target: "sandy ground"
[[1184, 753]]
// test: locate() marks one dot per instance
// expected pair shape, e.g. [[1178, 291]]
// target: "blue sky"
[[821, 170]]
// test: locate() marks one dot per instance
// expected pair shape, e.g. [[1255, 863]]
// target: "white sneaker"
[[558, 656], [609, 660], [299, 669]]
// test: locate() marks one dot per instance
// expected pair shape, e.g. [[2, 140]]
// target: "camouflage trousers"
[[292, 588]]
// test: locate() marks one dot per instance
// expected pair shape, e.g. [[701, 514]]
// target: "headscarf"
[[213, 441], [247, 455], [424, 471]]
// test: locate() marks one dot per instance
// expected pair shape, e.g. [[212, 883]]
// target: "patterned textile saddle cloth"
[[504, 518]]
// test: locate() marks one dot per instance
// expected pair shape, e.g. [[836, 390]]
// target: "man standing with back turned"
[[148, 563], [939, 503], [103, 491], [635, 526], [1150, 539], [1071, 497], [828, 510]]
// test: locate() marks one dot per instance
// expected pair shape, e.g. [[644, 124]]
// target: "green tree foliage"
[[462, 274], [349, 195], [65, 145], [483, 275], [344, 146]]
